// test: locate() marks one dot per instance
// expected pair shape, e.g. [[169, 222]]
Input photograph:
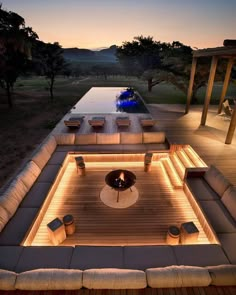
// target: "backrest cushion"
[[153, 137], [229, 200], [65, 139], [222, 275], [29, 174], [41, 157], [108, 138], [50, 144], [7, 280], [216, 180], [84, 139], [131, 138]]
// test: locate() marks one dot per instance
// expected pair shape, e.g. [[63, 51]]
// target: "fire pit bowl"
[[120, 180]]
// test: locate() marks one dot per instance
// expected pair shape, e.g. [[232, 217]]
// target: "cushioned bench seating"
[[217, 199]]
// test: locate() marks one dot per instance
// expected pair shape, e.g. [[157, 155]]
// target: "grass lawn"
[[24, 126]]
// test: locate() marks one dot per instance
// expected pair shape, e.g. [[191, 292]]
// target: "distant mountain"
[[93, 56]]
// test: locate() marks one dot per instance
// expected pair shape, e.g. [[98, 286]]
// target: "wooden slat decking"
[[145, 222]]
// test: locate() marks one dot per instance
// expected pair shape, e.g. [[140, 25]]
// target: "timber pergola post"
[[209, 89], [231, 129], [226, 83], [190, 87]]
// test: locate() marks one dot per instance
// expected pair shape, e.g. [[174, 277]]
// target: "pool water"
[[106, 100]]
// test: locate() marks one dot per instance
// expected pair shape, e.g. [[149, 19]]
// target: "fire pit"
[[120, 180]]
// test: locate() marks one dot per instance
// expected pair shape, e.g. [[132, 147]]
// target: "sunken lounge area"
[[121, 211]]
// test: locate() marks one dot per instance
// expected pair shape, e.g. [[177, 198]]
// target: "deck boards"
[[145, 222]]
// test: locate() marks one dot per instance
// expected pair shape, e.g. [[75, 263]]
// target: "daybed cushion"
[[12, 197], [111, 278], [143, 257], [222, 275], [228, 242], [153, 137], [218, 216], [200, 255], [29, 174], [131, 138], [50, 279], [229, 200], [41, 157], [36, 196], [216, 180], [85, 257], [84, 139], [49, 173], [9, 256], [57, 158], [108, 138], [7, 280], [44, 257], [201, 190], [16, 228], [65, 139], [178, 276]]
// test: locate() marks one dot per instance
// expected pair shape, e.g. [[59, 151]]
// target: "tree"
[[15, 49], [53, 63]]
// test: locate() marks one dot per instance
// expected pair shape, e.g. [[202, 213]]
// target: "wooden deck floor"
[[145, 222]]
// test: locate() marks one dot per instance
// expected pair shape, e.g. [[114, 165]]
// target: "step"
[[195, 158], [179, 167], [184, 159], [172, 173]]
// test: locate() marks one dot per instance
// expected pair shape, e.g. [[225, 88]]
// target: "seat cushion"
[[229, 200], [44, 257], [111, 278], [85, 257], [200, 255], [49, 173], [49, 279], [201, 190], [143, 257], [216, 180], [228, 242], [9, 256], [57, 158], [218, 216]]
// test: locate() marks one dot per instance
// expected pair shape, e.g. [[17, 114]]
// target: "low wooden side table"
[[56, 231], [172, 237], [188, 233], [69, 223]]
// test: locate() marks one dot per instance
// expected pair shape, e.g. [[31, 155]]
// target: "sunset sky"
[[101, 23]]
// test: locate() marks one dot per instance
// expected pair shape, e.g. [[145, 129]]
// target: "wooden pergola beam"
[[226, 83], [209, 89], [191, 81]]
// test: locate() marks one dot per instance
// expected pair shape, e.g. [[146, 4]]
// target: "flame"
[[122, 176]]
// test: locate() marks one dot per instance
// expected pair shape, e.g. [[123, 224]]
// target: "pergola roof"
[[224, 51]]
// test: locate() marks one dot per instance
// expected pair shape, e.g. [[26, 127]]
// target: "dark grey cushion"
[[155, 147], [57, 158], [49, 173], [85, 257], [143, 257], [201, 189], [65, 148], [218, 216], [36, 195], [9, 256], [200, 255], [44, 257], [228, 242], [16, 228]]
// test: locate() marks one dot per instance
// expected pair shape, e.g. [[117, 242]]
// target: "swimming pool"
[[105, 100]]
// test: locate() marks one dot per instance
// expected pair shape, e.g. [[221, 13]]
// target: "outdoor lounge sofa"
[[121, 267]]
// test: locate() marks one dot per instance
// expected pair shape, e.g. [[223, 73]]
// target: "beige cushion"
[[12, 197], [216, 180], [84, 139], [41, 157], [114, 278], [29, 174], [131, 138], [4, 217], [65, 139], [50, 144], [223, 275], [178, 276], [153, 137], [229, 200], [108, 138], [7, 280], [49, 279]]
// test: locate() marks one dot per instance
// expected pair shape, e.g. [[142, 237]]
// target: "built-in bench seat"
[[217, 199]]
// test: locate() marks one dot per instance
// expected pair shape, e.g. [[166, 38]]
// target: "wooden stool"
[[147, 162], [81, 169], [56, 231], [78, 160], [68, 221], [188, 233], [172, 237]]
